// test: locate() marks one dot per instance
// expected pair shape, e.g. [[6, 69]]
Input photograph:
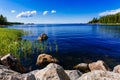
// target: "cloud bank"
[[26, 14], [109, 12]]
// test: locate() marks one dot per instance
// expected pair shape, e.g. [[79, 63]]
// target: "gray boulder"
[[73, 74], [99, 65], [6, 73], [51, 72], [116, 69], [100, 75], [27, 76]]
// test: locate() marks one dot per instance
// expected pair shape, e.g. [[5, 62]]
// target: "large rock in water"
[[83, 67], [51, 72], [45, 59], [73, 74], [99, 65], [100, 75], [43, 37], [116, 69], [12, 62]]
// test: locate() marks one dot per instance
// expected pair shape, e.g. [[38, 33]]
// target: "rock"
[[73, 74], [83, 67], [12, 62], [45, 59], [100, 75], [99, 65], [43, 37], [6, 73], [27, 76], [116, 69], [51, 72]]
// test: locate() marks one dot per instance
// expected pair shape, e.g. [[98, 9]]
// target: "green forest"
[[107, 19], [3, 21]]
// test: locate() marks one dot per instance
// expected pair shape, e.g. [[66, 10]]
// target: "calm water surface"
[[79, 42]]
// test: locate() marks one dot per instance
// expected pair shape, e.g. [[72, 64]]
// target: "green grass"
[[11, 34], [11, 42]]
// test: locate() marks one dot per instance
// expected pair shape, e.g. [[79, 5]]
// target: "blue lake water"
[[79, 42]]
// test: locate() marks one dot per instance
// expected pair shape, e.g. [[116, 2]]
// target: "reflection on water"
[[112, 31], [79, 42]]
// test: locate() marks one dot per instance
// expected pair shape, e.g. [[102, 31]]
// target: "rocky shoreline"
[[11, 69]]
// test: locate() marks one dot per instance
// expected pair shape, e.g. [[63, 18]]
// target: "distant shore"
[[105, 24], [11, 23]]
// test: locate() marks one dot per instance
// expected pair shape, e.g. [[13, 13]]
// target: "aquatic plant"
[[11, 42]]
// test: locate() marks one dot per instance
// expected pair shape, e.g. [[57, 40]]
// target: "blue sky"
[[57, 11]]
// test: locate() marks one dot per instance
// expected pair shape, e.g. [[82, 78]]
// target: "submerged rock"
[[45, 59], [100, 75], [99, 65], [43, 37], [51, 72], [73, 74], [83, 67], [12, 62]]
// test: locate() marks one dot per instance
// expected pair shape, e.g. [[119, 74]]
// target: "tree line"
[[3, 21], [115, 18]]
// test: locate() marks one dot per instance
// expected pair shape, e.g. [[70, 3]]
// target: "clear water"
[[79, 42]]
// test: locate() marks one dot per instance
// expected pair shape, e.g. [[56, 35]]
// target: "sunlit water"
[[79, 42]]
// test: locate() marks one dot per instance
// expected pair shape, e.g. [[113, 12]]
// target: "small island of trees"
[[108, 19]]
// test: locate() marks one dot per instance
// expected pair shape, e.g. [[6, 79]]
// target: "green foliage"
[[107, 19], [94, 20], [110, 18], [3, 20], [10, 42]]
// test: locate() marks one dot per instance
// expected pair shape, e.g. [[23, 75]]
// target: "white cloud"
[[45, 13], [109, 12], [53, 11], [12, 11], [27, 14]]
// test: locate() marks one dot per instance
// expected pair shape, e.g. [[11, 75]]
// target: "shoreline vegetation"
[[105, 24], [9, 39], [107, 20], [4, 22]]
